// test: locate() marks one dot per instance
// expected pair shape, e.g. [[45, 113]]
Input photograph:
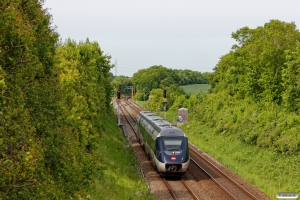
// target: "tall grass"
[[270, 171], [120, 177], [258, 141]]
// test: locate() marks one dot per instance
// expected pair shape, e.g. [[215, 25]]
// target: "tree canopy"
[[156, 77], [257, 66], [123, 84], [53, 101], [27, 45], [255, 89]]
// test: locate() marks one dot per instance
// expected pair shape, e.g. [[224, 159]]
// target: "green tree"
[[49, 114], [83, 99], [291, 81], [27, 45], [123, 84], [147, 79], [161, 77], [254, 66], [156, 97]]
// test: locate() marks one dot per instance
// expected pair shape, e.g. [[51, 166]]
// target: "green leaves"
[[155, 77], [122, 83], [254, 68], [255, 91], [21, 72], [52, 106], [291, 80]]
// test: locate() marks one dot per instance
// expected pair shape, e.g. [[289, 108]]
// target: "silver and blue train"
[[166, 145]]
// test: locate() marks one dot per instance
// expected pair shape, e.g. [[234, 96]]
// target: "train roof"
[[162, 126]]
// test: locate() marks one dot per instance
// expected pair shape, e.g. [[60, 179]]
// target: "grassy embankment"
[[270, 171], [120, 177], [262, 167], [195, 88]]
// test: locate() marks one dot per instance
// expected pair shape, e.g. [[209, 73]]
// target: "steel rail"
[[214, 180], [164, 180], [169, 188], [190, 191], [225, 175], [122, 107], [135, 106]]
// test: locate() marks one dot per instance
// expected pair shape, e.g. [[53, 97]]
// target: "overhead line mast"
[[116, 76], [115, 67]]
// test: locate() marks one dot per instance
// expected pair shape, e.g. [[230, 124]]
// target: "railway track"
[[179, 189], [231, 187], [129, 118], [135, 106], [227, 187]]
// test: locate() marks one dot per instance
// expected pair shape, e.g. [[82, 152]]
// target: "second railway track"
[[179, 189]]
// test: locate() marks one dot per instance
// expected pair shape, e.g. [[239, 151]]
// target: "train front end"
[[172, 152]]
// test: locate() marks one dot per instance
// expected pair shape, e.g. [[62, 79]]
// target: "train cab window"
[[172, 143]]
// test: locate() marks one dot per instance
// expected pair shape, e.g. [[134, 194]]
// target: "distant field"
[[195, 88]]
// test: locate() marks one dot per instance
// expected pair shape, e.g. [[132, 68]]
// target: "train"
[[165, 144]]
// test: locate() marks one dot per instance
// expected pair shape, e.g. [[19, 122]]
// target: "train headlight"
[[165, 160]]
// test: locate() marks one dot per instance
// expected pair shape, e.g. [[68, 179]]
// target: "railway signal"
[[165, 101], [119, 94]]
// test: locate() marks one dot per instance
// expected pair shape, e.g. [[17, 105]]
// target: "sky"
[[177, 34]]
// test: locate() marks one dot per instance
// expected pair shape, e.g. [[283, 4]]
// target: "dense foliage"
[[54, 99], [27, 46], [156, 99], [261, 65], [255, 89], [156, 77], [123, 84], [83, 92], [49, 113], [253, 103]]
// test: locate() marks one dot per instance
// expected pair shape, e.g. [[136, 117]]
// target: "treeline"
[[53, 101], [156, 77], [264, 65], [255, 91]]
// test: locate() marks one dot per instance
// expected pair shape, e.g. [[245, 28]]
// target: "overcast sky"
[[178, 34]]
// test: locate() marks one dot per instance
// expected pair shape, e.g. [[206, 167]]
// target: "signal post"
[[165, 102]]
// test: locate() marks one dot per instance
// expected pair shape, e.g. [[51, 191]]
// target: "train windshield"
[[172, 143]]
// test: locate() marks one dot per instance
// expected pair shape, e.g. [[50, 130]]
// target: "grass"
[[271, 172], [119, 177], [268, 170], [195, 88], [264, 168]]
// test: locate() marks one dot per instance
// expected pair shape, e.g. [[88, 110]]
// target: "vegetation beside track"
[[120, 176], [270, 171], [196, 88], [251, 114], [54, 103], [55, 97], [219, 132]]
